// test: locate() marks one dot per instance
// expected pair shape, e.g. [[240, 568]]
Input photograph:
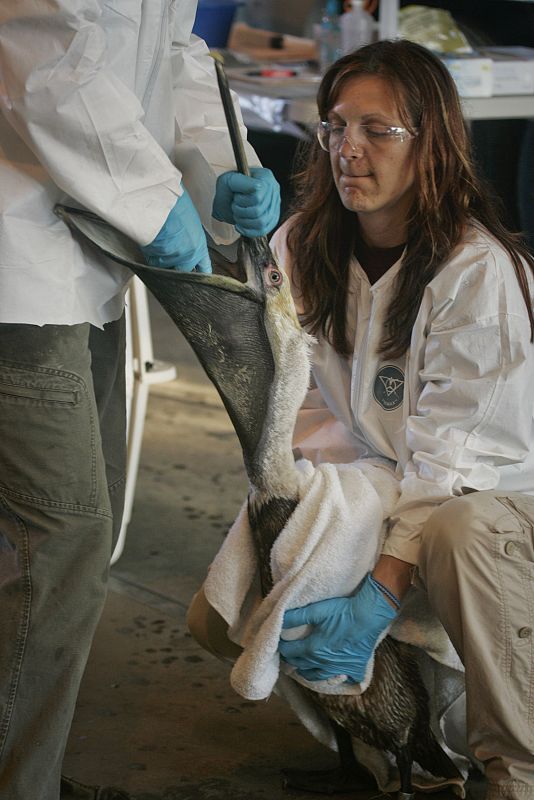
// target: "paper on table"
[[274, 75]]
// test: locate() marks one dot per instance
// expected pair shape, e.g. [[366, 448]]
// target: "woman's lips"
[[349, 178], [353, 181]]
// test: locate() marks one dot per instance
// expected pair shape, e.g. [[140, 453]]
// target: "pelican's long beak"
[[221, 316]]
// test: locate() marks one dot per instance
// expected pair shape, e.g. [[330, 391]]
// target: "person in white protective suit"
[[421, 302], [112, 106]]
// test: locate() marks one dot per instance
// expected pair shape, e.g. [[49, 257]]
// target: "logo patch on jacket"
[[388, 389]]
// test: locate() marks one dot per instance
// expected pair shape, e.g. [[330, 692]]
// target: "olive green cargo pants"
[[62, 474]]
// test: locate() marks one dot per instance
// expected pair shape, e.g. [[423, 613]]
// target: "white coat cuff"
[[140, 215]]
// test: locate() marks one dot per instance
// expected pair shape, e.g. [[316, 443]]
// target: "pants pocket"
[[48, 435], [515, 563]]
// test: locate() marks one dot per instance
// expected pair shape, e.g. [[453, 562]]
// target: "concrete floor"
[[156, 714]]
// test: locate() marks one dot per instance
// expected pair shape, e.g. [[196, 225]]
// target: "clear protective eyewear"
[[331, 135]]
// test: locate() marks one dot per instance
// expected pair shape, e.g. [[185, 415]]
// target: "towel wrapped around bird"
[[330, 542]]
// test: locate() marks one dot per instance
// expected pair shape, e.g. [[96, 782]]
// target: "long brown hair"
[[448, 196]]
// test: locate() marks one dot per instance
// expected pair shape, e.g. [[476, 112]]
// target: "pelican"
[[242, 325]]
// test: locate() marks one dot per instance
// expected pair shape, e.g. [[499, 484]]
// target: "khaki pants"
[[477, 564]]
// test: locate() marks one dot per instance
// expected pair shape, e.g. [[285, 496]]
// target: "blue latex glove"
[[252, 203], [181, 243], [345, 634]]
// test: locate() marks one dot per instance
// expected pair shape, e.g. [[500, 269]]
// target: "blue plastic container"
[[214, 19]]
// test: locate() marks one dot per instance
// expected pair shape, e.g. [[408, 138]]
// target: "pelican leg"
[[404, 764], [349, 776]]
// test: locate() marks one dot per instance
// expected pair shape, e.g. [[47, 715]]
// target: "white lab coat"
[[456, 412], [88, 115]]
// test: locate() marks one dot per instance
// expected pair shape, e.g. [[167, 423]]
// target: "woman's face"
[[373, 171]]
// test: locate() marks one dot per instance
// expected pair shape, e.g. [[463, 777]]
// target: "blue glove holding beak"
[[181, 243], [345, 634], [252, 203]]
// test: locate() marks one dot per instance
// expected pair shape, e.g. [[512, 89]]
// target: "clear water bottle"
[[328, 35], [388, 19], [357, 27]]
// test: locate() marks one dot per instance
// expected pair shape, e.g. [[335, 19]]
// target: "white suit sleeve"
[[83, 124], [473, 417]]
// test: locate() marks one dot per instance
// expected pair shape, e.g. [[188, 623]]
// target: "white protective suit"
[[84, 95], [451, 413]]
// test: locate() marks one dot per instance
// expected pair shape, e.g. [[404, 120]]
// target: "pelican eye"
[[274, 277]]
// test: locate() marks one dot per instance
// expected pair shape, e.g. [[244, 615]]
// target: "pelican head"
[[242, 325]]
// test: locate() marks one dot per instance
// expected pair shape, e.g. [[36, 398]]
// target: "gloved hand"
[[252, 204], [345, 634], [181, 243]]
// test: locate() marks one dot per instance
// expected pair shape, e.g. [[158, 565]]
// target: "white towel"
[[332, 539], [330, 542]]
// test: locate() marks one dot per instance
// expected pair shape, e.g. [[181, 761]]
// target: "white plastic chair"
[[142, 371]]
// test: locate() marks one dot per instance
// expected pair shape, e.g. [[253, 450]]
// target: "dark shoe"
[[73, 790]]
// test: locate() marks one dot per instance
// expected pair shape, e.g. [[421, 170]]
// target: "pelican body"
[[243, 327]]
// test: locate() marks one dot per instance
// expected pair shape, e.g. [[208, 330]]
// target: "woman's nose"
[[349, 149]]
